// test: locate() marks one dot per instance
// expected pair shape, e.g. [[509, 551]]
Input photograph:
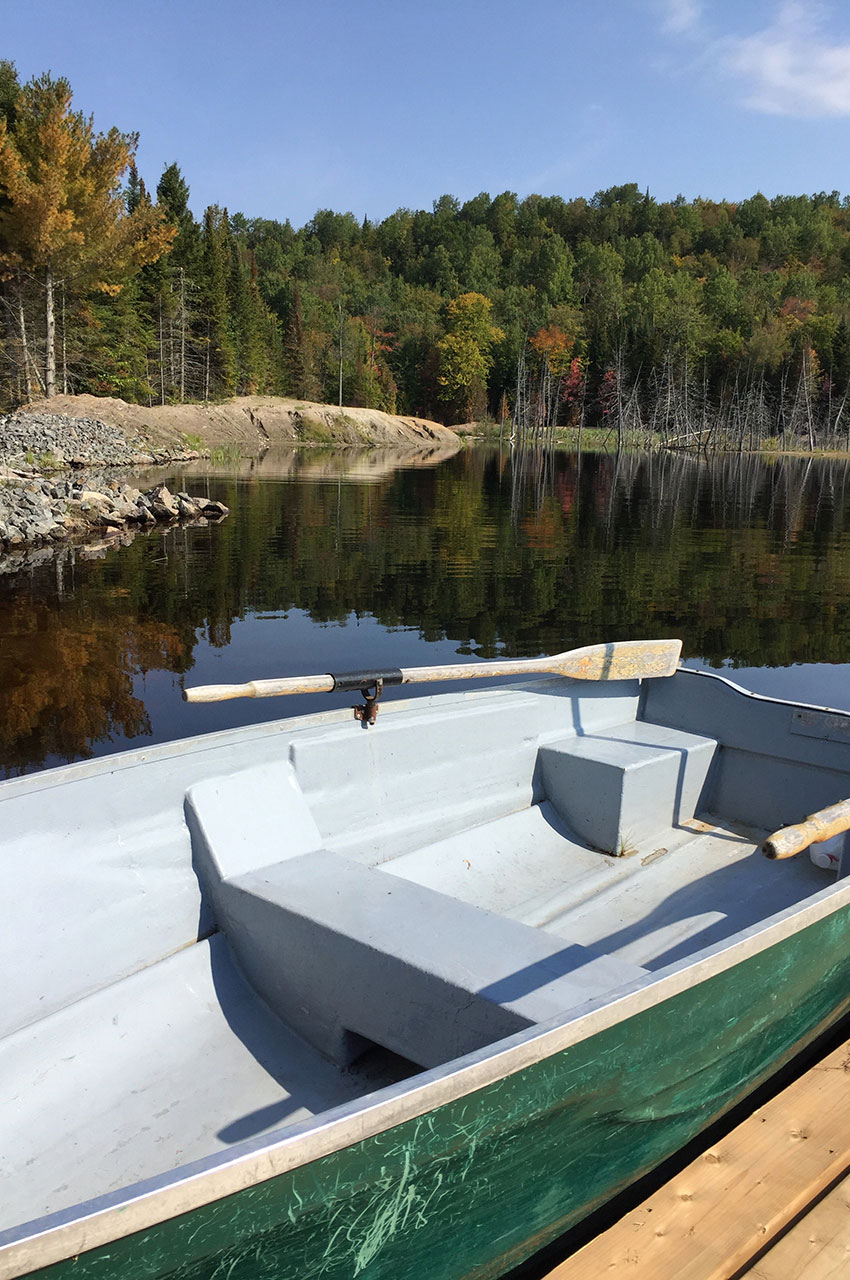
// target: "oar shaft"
[[475, 670]]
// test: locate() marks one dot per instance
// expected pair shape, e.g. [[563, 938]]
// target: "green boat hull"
[[475, 1186]]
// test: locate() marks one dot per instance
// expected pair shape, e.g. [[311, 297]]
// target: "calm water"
[[330, 562]]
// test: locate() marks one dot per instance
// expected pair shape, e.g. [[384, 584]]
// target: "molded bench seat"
[[347, 955], [622, 788]]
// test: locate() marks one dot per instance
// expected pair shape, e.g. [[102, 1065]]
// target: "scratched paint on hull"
[[472, 1188]]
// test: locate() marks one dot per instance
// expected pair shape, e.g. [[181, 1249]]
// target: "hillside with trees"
[[690, 320]]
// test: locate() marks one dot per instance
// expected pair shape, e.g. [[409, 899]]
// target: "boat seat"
[[349, 955], [622, 788]]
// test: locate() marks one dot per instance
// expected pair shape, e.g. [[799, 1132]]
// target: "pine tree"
[[10, 89]]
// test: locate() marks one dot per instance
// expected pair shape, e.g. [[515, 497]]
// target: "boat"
[[407, 996]]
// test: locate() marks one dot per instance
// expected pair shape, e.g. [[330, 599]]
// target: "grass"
[[593, 439], [44, 461], [626, 847], [315, 428], [226, 453]]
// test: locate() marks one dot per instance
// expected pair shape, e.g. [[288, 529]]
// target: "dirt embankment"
[[251, 422]]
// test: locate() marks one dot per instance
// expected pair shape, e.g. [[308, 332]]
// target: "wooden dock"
[[769, 1201]]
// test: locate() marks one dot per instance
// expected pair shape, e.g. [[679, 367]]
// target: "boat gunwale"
[[103, 1219], [215, 739]]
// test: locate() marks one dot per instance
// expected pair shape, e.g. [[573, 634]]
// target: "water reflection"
[[347, 560], [319, 463]]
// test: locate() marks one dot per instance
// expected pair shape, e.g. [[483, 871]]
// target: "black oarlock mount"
[[371, 685], [367, 712]]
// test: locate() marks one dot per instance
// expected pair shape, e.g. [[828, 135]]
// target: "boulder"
[[216, 510], [163, 503]]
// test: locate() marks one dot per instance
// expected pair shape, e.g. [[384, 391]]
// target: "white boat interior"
[[216, 939]]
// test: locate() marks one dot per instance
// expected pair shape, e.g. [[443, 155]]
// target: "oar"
[[818, 827], [626, 660]]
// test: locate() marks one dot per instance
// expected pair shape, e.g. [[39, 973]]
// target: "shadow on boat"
[[309, 1084]]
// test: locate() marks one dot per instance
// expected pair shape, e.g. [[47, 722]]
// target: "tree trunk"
[[64, 346], [182, 336], [25, 353], [50, 352], [161, 354], [339, 304]]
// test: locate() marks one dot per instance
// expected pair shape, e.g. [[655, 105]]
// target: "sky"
[[277, 109]]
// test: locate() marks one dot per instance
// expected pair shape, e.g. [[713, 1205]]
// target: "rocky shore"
[[47, 499], [48, 448], [51, 440], [36, 510]]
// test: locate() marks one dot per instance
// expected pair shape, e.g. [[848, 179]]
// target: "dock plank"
[[816, 1248], [717, 1214]]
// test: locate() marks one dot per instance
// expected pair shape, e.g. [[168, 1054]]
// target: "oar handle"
[[259, 689], [818, 827]]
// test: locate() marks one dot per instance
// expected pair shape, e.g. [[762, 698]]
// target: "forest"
[[710, 322]]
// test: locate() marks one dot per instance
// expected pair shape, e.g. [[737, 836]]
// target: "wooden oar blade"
[[623, 660]]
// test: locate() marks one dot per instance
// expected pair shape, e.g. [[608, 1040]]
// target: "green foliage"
[[221, 370], [63, 216], [10, 89], [665, 297], [465, 358]]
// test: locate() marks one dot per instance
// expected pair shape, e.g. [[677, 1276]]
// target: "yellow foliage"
[[63, 205]]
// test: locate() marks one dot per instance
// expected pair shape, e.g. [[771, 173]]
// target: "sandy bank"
[[251, 422]]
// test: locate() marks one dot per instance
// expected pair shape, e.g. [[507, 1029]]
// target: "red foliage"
[[608, 394], [573, 384]]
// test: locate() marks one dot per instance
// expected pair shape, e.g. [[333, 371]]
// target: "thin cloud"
[[790, 68], [680, 17]]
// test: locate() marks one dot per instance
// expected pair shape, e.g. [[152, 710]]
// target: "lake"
[[333, 561]]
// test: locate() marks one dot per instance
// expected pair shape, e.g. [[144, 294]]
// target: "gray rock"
[[215, 509], [162, 503], [39, 513]]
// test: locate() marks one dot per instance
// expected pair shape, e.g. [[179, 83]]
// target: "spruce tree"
[[294, 361], [220, 372]]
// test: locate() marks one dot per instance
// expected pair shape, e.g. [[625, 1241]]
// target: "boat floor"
[[692, 886], [182, 1059], [174, 1063]]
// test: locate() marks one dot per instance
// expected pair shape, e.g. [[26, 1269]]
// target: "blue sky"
[[278, 109]]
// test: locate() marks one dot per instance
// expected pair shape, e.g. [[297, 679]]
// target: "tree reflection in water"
[[747, 560]]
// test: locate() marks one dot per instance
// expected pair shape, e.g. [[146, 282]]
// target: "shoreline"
[[47, 513], [252, 423]]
